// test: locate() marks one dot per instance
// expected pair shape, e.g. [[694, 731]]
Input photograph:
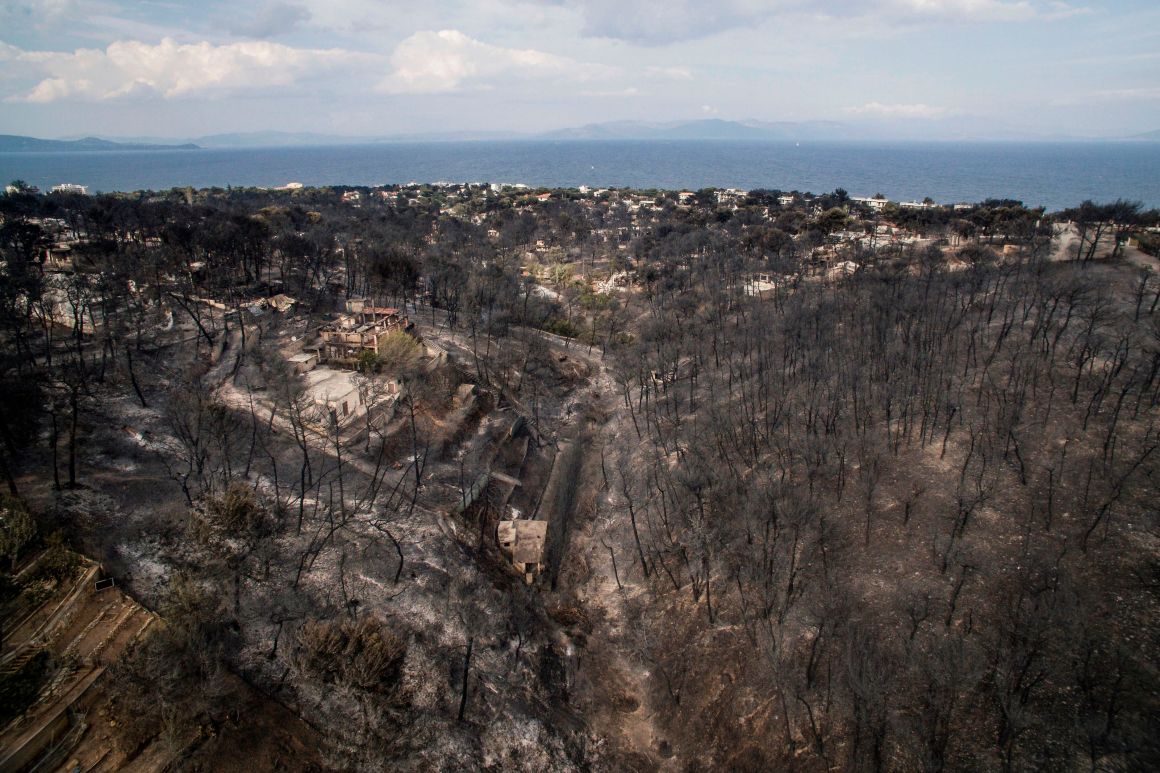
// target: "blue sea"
[[1054, 175]]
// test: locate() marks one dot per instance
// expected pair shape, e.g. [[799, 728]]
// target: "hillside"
[[10, 143], [708, 129], [454, 477]]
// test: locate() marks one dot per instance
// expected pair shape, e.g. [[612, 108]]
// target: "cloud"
[[127, 69], [9, 52], [967, 10], [448, 60], [675, 73], [271, 20], [880, 110], [982, 10], [630, 91], [661, 22], [1141, 94]]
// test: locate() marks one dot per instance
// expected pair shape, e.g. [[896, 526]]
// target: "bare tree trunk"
[[466, 676]]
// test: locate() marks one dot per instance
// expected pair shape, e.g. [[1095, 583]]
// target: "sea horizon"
[[1052, 174]]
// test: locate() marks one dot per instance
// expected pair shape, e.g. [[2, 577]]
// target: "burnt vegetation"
[[829, 484]]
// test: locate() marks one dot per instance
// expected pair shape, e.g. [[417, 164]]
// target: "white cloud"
[[1142, 94], [676, 73], [880, 110], [9, 52], [969, 10], [170, 70], [631, 91], [983, 10], [444, 61], [659, 22], [396, 18]]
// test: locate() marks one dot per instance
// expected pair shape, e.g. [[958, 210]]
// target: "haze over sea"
[[1054, 175]]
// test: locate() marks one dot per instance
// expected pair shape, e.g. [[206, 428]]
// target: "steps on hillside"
[[19, 660], [39, 627]]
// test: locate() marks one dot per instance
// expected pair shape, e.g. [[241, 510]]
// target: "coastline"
[[1053, 175]]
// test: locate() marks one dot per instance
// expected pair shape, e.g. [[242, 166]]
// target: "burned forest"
[[482, 477]]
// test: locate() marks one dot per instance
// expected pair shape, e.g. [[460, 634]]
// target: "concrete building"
[[874, 202], [336, 394], [363, 329], [303, 362], [523, 543]]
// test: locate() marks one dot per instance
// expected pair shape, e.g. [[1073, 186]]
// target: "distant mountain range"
[[709, 129], [11, 143], [951, 129], [280, 139]]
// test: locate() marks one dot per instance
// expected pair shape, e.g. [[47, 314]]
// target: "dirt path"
[[1065, 245], [1141, 259], [614, 679], [1066, 242]]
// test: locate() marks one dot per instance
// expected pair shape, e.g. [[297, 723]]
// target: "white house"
[[874, 202], [336, 393]]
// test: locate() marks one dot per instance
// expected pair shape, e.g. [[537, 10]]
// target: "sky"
[[937, 68]]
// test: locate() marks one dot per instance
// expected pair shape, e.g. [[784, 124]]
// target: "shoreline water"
[[1053, 175]]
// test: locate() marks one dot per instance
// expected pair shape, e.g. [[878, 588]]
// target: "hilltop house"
[[874, 202], [364, 328]]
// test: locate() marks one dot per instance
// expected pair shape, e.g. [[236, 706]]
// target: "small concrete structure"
[[336, 393], [303, 362], [523, 543], [841, 269], [761, 285]]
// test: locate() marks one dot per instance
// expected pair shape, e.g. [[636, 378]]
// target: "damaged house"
[[523, 543], [364, 328]]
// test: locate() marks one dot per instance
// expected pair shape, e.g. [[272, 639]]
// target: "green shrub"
[[367, 363], [17, 527], [399, 353], [58, 564], [561, 327], [1150, 243]]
